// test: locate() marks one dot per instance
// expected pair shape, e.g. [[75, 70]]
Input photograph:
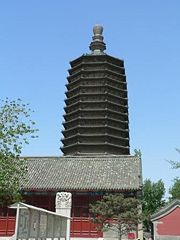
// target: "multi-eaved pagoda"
[[96, 112], [96, 149]]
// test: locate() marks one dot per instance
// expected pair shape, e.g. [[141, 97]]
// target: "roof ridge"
[[99, 156], [40, 156], [80, 157]]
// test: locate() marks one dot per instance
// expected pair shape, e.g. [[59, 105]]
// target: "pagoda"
[[96, 112], [96, 150]]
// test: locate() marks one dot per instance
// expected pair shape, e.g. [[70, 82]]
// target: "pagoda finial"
[[97, 46]]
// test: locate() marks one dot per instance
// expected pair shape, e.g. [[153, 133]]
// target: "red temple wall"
[[81, 226], [169, 224], [80, 203]]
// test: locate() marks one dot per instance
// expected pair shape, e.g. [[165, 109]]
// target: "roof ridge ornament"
[[97, 46]]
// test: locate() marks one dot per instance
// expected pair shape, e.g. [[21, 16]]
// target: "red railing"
[[7, 226], [80, 227], [83, 227]]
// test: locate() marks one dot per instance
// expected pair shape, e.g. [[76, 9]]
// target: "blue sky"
[[39, 38]]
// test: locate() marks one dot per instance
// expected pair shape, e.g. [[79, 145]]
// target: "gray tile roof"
[[83, 173], [165, 210]]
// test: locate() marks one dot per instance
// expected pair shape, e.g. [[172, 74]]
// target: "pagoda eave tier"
[[98, 89], [101, 73], [99, 148], [91, 106], [97, 59], [92, 137], [101, 129], [100, 80], [95, 113], [86, 96], [83, 64], [95, 121]]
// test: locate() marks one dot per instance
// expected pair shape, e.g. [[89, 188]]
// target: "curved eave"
[[95, 110], [98, 126], [94, 94], [86, 135], [119, 81], [94, 144], [109, 58], [80, 103], [94, 118]]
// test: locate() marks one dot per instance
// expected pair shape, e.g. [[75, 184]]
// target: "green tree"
[[15, 129], [175, 189], [117, 213], [153, 193]]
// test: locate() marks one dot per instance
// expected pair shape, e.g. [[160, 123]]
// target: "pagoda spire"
[[97, 45]]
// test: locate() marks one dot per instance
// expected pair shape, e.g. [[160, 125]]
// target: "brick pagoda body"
[[96, 112]]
